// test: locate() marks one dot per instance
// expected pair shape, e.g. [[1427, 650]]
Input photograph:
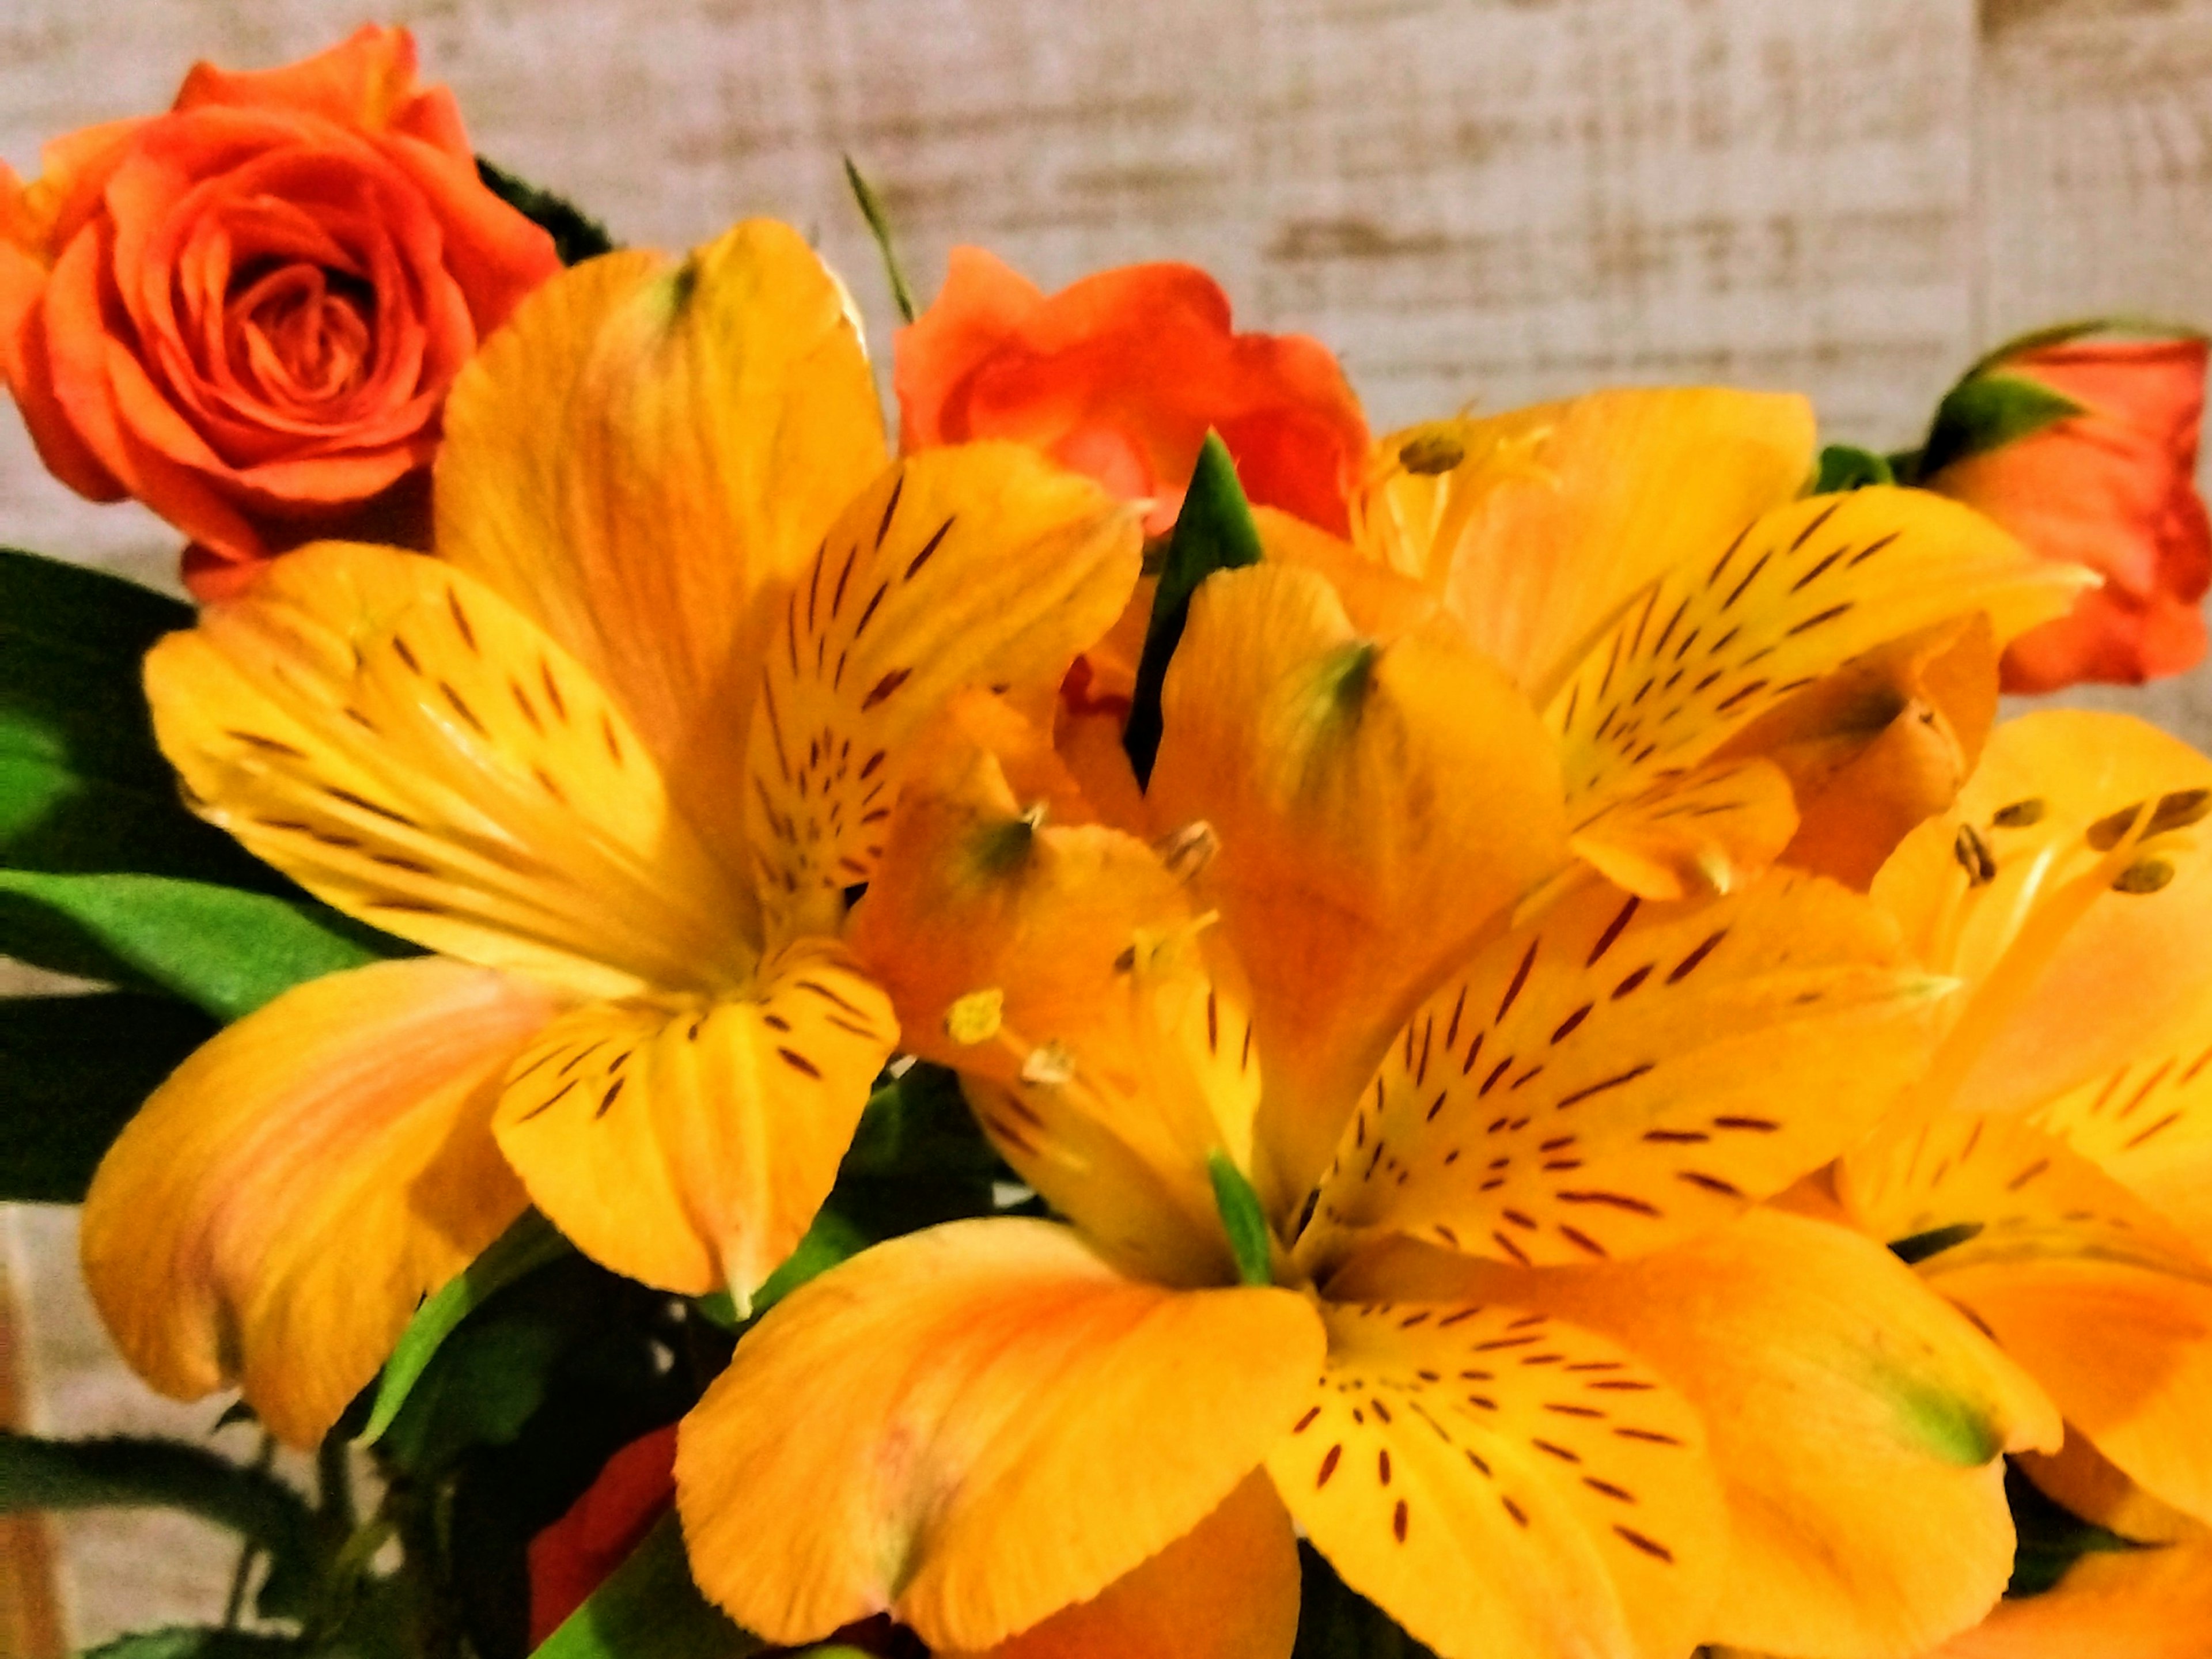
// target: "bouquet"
[[1135, 1022]]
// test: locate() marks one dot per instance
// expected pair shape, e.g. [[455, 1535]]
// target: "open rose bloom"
[[1132, 1024], [246, 312]]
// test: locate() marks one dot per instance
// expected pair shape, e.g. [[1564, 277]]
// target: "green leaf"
[[1987, 411], [1337, 1622], [2051, 1537], [880, 227], [1243, 1219], [224, 950], [1842, 467], [82, 786], [648, 1608], [73, 1070], [133, 1473], [196, 1642], [576, 235], [1214, 532], [524, 1248]]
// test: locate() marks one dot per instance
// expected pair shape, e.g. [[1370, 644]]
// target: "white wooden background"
[[1474, 200]]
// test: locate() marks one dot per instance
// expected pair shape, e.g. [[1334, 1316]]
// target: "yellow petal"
[[1538, 527], [1711, 830], [2142, 1604], [400, 741], [977, 566], [1713, 645], [278, 1207], [1615, 1075], [1456, 1469], [1013, 1427], [2077, 846], [1378, 807], [1111, 1064], [1855, 1419], [687, 1141], [644, 459], [1228, 1589]]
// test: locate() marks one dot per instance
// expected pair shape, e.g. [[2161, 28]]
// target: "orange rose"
[[246, 312], [2111, 485], [1119, 377]]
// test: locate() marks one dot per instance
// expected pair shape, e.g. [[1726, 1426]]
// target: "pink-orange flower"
[[2111, 487], [1120, 375], [246, 312]]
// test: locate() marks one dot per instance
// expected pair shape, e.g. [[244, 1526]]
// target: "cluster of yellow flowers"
[[1590, 1081]]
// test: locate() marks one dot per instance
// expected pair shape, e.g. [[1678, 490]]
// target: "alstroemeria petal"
[[278, 1207], [1378, 807], [1111, 1065], [1539, 526], [2108, 1307], [644, 459], [1709, 831], [1615, 1075], [974, 1427], [982, 566], [1228, 1589], [1455, 1467], [394, 737], [2071, 889], [1854, 1418], [687, 1141], [1713, 645]]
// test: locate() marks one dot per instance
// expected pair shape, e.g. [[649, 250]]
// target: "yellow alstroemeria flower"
[[1531, 1370], [2049, 1174], [613, 755]]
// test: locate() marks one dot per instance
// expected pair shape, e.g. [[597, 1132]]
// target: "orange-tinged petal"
[[981, 566], [278, 1208], [1228, 1589], [393, 735], [1456, 1469], [1855, 1419], [1708, 831], [644, 460], [687, 1141], [2140, 1604], [1378, 807], [1538, 527], [1013, 1427], [1615, 1075], [1713, 645], [1111, 1067], [2074, 848]]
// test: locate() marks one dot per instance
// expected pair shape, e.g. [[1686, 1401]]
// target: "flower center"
[[302, 335]]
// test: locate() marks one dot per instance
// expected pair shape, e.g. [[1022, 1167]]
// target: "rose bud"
[[1121, 375], [246, 312], [2086, 449]]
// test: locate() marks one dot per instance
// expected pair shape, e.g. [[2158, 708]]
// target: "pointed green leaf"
[[576, 235], [134, 1473], [82, 786], [73, 1071], [1214, 532], [1242, 1218], [880, 227], [649, 1608], [1842, 467], [523, 1248], [223, 949], [1988, 411]]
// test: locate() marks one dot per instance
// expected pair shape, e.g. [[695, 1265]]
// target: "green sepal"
[[2050, 1538], [82, 785], [649, 1608], [1214, 532], [1987, 411], [136, 1474], [73, 1071], [880, 227], [1844, 467], [1242, 1218], [576, 235], [222, 949], [529, 1244]]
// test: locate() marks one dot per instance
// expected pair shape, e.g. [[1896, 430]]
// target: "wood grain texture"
[[1476, 201]]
